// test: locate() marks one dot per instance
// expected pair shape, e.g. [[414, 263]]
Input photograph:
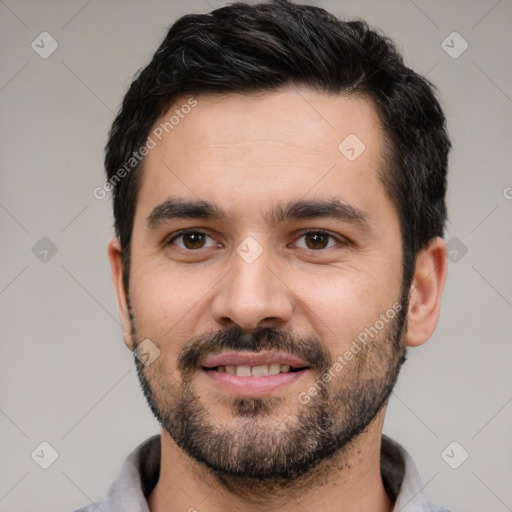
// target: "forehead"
[[242, 148], [293, 116]]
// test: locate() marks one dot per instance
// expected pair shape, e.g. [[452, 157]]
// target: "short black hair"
[[244, 48]]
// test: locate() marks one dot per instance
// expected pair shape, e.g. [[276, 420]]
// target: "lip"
[[241, 358], [254, 387]]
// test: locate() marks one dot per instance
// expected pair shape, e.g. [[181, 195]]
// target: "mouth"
[[262, 370], [253, 374]]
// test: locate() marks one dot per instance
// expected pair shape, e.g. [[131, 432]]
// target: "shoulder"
[[93, 507], [135, 480], [402, 479], [432, 507]]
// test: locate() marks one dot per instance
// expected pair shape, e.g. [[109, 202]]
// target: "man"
[[278, 179]]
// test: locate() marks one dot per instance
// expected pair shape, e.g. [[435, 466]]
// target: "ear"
[[114, 255], [426, 290]]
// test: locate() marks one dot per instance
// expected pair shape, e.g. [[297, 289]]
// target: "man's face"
[[259, 244]]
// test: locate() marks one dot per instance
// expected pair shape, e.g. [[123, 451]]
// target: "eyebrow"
[[176, 208], [318, 208]]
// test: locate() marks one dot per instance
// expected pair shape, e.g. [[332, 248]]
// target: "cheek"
[[165, 300], [341, 304]]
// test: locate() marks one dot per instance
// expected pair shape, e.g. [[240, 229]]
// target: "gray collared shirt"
[[140, 471]]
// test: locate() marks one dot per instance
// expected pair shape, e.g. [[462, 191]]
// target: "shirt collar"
[[401, 478], [140, 472]]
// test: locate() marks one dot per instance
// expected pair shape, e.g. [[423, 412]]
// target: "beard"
[[258, 448]]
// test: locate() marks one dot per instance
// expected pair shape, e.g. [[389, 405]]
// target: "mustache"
[[307, 348]]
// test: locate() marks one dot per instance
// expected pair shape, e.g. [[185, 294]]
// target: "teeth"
[[255, 371], [260, 371], [274, 369], [243, 371]]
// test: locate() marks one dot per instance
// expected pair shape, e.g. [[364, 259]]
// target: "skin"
[[246, 153]]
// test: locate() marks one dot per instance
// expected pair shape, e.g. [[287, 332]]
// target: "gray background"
[[66, 376]]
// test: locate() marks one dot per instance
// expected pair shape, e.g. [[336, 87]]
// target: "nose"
[[251, 296]]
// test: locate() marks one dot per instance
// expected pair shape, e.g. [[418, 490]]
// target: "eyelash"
[[339, 240]]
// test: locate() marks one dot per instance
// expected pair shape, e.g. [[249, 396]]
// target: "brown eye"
[[193, 240], [316, 240]]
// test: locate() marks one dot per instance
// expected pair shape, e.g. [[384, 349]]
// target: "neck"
[[350, 481]]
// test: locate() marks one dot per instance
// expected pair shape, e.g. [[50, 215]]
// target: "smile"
[[262, 370], [253, 374]]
